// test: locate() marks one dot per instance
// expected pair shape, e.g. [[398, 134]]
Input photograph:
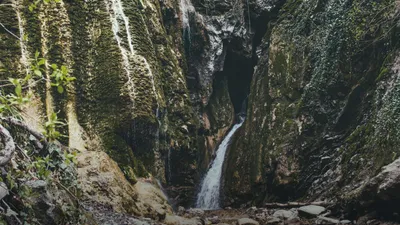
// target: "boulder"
[[311, 211], [247, 221]]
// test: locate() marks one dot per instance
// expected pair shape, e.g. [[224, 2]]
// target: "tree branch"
[[9, 146]]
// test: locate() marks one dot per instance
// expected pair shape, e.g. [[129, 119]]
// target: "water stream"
[[209, 195]]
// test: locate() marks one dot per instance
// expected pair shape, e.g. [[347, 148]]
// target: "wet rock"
[[345, 222], [247, 221], [310, 211]]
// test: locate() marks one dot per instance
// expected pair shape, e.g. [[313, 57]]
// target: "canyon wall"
[[322, 117], [160, 82]]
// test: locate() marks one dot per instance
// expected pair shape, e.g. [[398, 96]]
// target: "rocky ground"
[[309, 214]]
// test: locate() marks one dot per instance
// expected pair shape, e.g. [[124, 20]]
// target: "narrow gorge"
[[199, 112]]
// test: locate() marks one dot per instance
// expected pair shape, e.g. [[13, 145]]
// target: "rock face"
[[104, 185], [130, 98], [322, 107], [158, 84]]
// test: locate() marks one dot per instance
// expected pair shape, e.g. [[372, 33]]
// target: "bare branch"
[[9, 146], [295, 204], [16, 36]]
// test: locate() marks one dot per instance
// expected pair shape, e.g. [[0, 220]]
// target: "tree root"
[[19, 123], [9, 146]]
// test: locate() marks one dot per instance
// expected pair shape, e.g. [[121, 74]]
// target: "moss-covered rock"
[[317, 102]]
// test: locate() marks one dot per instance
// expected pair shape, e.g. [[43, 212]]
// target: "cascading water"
[[186, 8], [208, 198]]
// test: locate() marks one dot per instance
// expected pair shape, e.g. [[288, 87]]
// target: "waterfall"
[[186, 8], [208, 197]]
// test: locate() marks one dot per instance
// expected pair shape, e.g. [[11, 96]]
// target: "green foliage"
[[36, 3], [11, 102], [372, 19], [50, 128], [60, 77]]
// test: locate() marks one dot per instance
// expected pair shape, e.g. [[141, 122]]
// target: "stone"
[[181, 210], [195, 212], [273, 220], [310, 211], [36, 185], [3, 190], [261, 216], [345, 222], [161, 214], [247, 221], [285, 214], [328, 220], [214, 220], [178, 220]]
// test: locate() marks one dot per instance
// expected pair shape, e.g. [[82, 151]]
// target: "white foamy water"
[[186, 8], [208, 198]]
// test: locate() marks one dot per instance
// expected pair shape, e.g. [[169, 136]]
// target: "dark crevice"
[[239, 71]]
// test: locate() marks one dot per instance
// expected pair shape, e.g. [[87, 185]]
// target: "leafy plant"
[[60, 77], [50, 127]]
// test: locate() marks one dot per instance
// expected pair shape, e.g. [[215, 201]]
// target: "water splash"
[[208, 198]]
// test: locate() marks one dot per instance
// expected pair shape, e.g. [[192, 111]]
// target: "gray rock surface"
[[311, 211], [247, 221]]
